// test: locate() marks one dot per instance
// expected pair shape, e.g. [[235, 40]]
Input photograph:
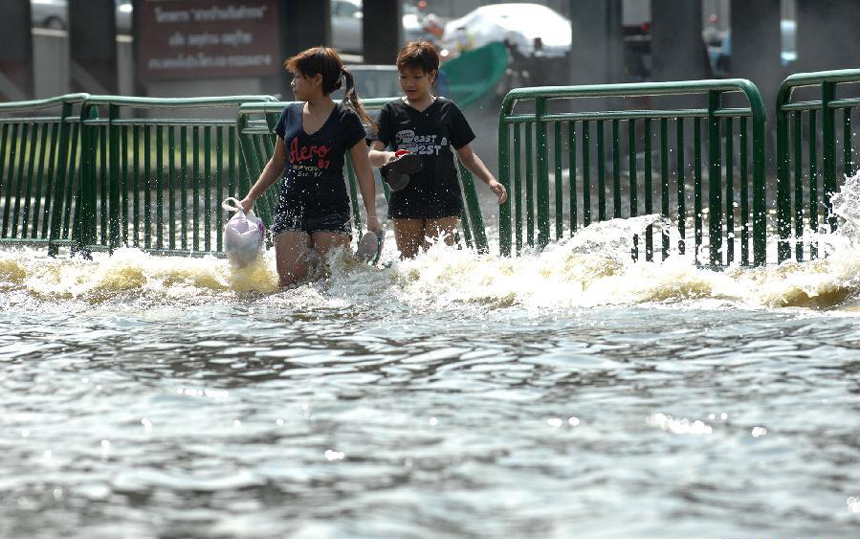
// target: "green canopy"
[[475, 73]]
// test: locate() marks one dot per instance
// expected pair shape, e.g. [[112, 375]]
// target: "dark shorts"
[[408, 204], [337, 223]]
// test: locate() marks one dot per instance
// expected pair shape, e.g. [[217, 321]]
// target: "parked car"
[[54, 14], [533, 29]]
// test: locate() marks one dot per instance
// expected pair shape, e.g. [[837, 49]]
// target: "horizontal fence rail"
[[531, 143], [809, 125], [255, 126], [38, 165]]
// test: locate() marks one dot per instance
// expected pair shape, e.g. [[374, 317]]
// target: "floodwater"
[[568, 393]]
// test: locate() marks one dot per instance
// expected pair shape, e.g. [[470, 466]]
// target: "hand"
[[499, 190], [374, 225], [246, 204]]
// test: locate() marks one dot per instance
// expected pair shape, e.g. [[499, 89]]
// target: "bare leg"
[[410, 235], [443, 228], [323, 242], [292, 248]]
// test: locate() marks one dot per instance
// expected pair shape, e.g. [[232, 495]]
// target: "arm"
[[472, 162], [271, 172], [361, 164], [378, 156]]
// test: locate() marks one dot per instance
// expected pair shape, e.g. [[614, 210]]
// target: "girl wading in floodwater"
[[312, 216]]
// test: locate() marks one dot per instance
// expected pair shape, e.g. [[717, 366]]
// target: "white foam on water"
[[593, 268]]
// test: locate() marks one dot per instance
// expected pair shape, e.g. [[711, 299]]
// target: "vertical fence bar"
[[183, 191], [72, 173], [571, 174], [616, 172], [517, 188], [828, 150], [123, 157], [634, 201], [40, 173], [649, 195], [4, 139], [798, 185], [219, 190], [102, 174], [848, 165], [783, 204], [114, 153], [530, 203], [7, 206], [207, 188], [31, 163], [47, 213], [147, 186], [601, 172], [559, 190], [62, 177], [159, 187], [745, 208], [232, 186], [136, 182], [812, 152], [634, 181], [16, 214], [681, 184], [586, 174], [697, 188], [171, 187], [543, 173], [195, 182], [715, 228], [505, 179], [664, 182], [730, 192]]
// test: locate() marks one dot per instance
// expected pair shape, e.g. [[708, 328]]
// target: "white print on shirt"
[[419, 144]]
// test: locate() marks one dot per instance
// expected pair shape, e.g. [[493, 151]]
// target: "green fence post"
[[715, 230], [828, 149]]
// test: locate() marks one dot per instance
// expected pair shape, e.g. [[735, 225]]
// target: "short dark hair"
[[420, 54]]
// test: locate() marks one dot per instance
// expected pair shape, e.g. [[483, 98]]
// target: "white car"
[[521, 25]]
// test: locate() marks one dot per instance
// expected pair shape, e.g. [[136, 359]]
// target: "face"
[[305, 87], [415, 82]]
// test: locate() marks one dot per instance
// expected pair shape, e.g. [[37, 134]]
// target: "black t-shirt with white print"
[[433, 133], [313, 181]]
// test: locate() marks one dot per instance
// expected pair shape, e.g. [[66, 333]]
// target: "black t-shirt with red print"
[[313, 176]]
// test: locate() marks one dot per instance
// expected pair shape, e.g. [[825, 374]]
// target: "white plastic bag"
[[243, 234]]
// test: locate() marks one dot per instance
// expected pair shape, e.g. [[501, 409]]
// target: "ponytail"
[[350, 98]]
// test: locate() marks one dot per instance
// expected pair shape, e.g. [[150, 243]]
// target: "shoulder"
[[446, 105], [345, 113], [395, 105]]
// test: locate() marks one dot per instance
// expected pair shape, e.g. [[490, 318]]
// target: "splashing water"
[[592, 268]]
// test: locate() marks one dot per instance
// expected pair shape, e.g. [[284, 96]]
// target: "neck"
[[421, 102], [319, 102]]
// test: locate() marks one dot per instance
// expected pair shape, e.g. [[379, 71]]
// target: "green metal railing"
[[38, 163], [813, 187], [157, 183], [255, 125], [542, 138]]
